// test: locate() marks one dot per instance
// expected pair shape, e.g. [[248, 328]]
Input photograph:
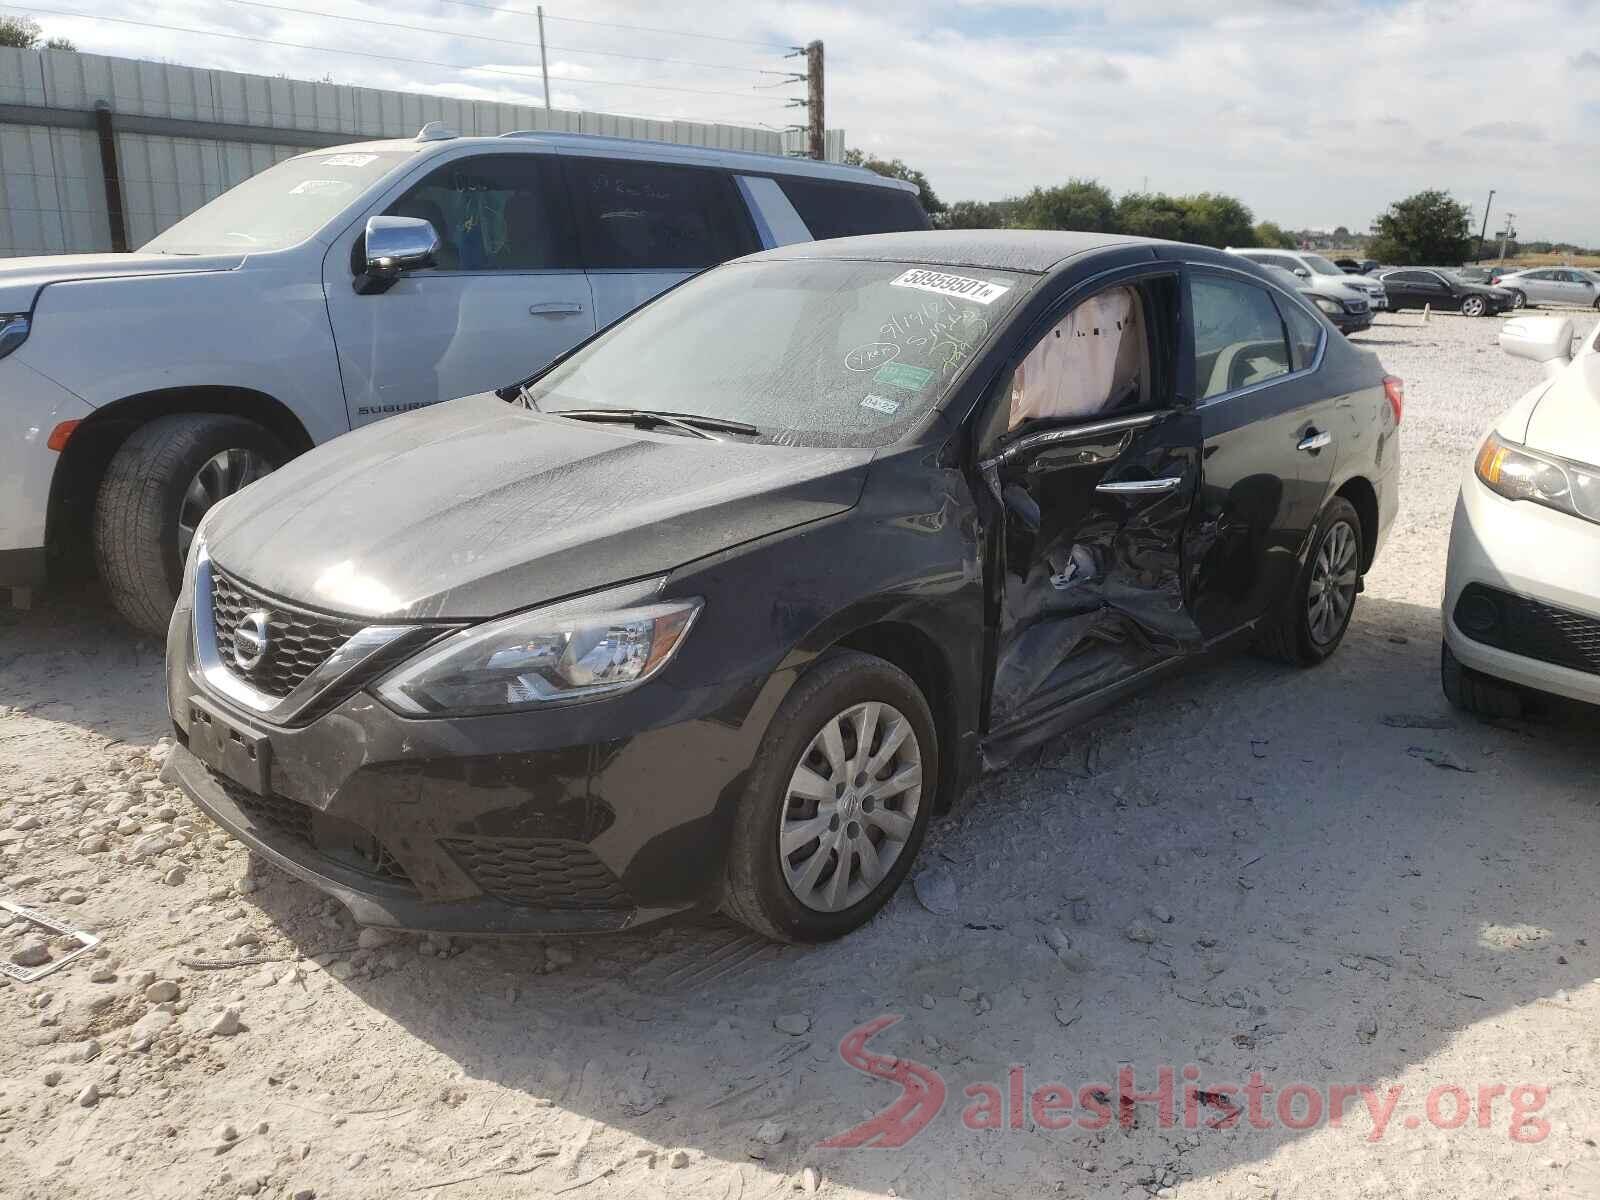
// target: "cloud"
[[1507, 131], [1586, 60]]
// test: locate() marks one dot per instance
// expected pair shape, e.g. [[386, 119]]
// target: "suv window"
[[495, 213], [645, 216], [832, 210], [1239, 337]]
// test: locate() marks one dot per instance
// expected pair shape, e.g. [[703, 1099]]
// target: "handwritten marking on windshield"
[[871, 356]]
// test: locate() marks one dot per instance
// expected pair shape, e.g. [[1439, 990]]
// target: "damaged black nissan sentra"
[[720, 609]]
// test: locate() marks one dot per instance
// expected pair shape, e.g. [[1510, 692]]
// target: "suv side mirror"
[[1546, 340], [396, 245], [1302, 272]]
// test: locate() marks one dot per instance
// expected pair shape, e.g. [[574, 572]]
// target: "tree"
[[1080, 204], [972, 214], [1428, 227], [23, 33], [1270, 234], [1219, 221], [1154, 215], [897, 168]]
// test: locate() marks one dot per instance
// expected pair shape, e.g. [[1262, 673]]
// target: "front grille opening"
[[298, 642], [1529, 628], [539, 872], [338, 841]]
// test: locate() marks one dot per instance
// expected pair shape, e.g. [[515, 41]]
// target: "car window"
[[832, 209], [1403, 276], [645, 216], [1566, 277], [1239, 338], [1305, 334], [813, 352], [1094, 360], [494, 213]]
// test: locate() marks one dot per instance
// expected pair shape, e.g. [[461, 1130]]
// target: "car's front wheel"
[[837, 804], [1474, 306], [1474, 693], [1312, 622], [162, 480]]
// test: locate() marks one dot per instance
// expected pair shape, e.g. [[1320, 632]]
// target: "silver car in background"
[[1319, 271], [1551, 285]]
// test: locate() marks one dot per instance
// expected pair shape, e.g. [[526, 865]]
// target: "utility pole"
[[1505, 236], [1484, 232], [544, 64], [815, 135]]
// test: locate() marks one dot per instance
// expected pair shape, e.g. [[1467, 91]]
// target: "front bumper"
[[1348, 323], [586, 818], [32, 406], [1537, 555]]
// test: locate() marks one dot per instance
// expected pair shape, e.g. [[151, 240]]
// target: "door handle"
[[1314, 441], [1139, 487], [555, 308]]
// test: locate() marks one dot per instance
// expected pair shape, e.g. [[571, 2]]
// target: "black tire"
[[1475, 693], [1289, 637], [141, 495], [1477, 304], [756, 893], [1519, 300]]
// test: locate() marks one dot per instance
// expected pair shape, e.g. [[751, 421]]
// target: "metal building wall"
[[52, 192]]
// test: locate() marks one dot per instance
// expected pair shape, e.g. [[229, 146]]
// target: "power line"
[[426, 62], [709, 37], [504, 41]]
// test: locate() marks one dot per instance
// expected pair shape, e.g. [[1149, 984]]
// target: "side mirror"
[[396, 245], [1546, 340], [1302, 272]]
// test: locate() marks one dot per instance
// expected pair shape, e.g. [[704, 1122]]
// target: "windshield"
[[1320, 265], [281, 206], [811, 352]]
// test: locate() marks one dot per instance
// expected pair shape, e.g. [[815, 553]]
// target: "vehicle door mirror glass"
[[1546, 340], [1239, 338], [1302, 272], [1095, 360], [398, 244]]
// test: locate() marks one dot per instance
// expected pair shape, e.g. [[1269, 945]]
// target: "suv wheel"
[[159, 484], [837, 804]]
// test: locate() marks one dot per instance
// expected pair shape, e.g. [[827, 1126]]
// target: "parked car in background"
[[1349, 313], [339, 287], [1416, 287], [1551, 285], [1477, 274], [716, 611], [1521, 604], [1355, 266], [1319, 271]]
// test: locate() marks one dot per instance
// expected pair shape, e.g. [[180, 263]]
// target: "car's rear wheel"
[[1476, 693], [159, 484], [1474, 306], [1312, 621], [837, 804], [1518, 299]]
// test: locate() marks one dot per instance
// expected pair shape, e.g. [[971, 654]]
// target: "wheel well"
[[99, 435], [919, 656], [1364, 499]]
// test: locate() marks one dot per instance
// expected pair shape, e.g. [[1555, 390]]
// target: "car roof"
[[1033, 250], [601, 145]]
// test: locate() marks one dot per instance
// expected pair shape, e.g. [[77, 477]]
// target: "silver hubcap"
[[851, 806], [1472, 306], [1333, 584], [221, 475], [1518, 299]]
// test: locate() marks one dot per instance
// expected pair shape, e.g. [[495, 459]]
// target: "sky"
[[1316, 113]]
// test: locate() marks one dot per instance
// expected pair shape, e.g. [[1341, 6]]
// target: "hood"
[[477, 507], [21, 278], [1566, 420]]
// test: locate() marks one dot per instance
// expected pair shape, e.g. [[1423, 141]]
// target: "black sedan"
[[1416, 287], [719, 610]]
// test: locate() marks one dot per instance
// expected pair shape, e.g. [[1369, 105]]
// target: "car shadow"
[[1327, 876]]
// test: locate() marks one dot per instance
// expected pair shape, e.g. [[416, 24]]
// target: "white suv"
[[338, 287], [1323, 276]]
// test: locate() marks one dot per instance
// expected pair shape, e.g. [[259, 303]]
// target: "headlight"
[[597, 646], [13, 331], [1521, 474], [1332, 307]]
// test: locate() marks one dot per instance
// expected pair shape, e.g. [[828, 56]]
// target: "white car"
[[1522, 591], [1326, 278], [338, 287]]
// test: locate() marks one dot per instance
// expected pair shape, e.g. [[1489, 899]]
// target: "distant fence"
[[101, 153]]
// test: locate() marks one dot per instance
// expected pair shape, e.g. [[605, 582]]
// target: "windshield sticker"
[[871, 356], [880, 404], [959, 286], [348, 160], [319, 187], [901, 375]]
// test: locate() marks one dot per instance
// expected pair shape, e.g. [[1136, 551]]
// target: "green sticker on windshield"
[[902, 375]]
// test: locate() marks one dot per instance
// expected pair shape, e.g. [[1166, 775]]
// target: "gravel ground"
[[1325, 877]]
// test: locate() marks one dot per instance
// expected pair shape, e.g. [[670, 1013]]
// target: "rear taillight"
[[1395, 388]]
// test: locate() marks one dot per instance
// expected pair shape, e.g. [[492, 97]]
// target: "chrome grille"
[[298, 642]]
